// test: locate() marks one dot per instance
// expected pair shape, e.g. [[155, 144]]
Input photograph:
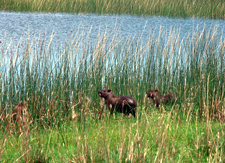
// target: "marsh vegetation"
[[172, 8], [59, 88]]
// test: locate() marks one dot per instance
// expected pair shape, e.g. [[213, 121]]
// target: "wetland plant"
[[59, 86]]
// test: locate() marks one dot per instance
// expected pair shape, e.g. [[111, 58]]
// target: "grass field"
[[58, 87], [173, 8], [154, 137]]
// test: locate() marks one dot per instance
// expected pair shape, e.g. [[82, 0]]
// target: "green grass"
[[174, 8], [155, 137], [59, 85]]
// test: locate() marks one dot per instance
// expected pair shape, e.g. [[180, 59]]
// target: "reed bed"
[[183, 8], [58, 86]]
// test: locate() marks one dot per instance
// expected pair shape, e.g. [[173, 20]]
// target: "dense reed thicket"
[[58, 86], [174, 8], [51, 79]]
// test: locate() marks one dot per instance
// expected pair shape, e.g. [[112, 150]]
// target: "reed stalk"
[[173, 8], [59, 86]]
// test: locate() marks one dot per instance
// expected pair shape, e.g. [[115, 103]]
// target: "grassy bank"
[[173, 8], [59, 85], [153, 138]]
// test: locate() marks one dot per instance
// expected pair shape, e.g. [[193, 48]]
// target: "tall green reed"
[[181, 8], [54, 81]]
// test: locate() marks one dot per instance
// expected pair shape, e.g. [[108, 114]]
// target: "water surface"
[[14, 25]]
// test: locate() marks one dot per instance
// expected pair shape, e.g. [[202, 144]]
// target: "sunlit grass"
[[59, 85], [173, 8], [157, 137]]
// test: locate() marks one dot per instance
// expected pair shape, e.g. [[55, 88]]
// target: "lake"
[[16, 25]]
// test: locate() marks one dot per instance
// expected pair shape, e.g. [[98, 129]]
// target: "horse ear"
[[109, 90]]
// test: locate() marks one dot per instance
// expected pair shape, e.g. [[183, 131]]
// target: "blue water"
[[15, 25]]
